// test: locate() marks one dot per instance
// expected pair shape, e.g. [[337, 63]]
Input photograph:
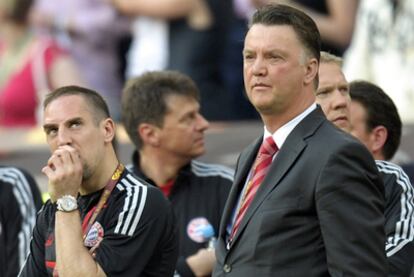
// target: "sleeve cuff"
[[183, 269]]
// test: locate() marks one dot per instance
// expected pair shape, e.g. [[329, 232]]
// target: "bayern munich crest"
[[195, 227], [95, 235]]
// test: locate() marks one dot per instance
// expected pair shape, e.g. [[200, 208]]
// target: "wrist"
[[67, 203]]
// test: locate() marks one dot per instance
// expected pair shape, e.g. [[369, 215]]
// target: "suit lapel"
[[292, 148]]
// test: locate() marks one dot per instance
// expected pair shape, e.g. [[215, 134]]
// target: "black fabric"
[[199, 54], [318, 212], [399, 219], [321, 7], [193, 196], [13, 219], [148, 248]]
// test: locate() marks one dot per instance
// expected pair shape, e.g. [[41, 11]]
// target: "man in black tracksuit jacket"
[[161, 115], [20, 199]]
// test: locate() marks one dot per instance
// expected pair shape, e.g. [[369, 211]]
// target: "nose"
[[258, 67], [202, 123], [63, 137]]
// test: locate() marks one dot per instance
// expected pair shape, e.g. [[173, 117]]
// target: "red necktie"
[[260, 169]]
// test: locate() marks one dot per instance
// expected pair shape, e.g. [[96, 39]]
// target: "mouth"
[[342, 122], [260, 86], [199, 141], [341, 119]]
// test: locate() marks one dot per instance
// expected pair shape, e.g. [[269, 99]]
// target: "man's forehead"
[[71, 101], [66, 108], [268, 32], [58, 121], [331, 73], [181, 103]]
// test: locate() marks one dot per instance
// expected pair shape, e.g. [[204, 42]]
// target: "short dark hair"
[[93, 98], [380, 110], [304, 27], [19, 10], [144, 99]]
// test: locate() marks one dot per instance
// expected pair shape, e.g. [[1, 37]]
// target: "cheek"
[[52, 144], [324, 103], [356, 132], [282, 73], [246, 76]]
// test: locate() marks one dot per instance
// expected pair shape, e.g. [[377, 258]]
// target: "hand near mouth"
[[64, 171]]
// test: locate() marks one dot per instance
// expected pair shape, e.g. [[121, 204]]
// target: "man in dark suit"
[[315, 208]]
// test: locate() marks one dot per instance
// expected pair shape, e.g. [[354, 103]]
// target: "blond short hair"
[[330, 58]]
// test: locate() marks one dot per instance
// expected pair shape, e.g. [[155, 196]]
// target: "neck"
[[378, 156], [274, 121], [159, 168], [101, 175]]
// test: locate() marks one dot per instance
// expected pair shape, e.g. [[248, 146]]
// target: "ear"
[[311, 70], [149, 134], [108, 129], [378, 138]]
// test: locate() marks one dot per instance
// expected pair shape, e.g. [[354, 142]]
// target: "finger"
[[55, 161], [74, 154], [64, 156], [47, 170]]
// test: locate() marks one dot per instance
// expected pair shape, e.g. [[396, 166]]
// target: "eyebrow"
[[326, 87], [49, 126]]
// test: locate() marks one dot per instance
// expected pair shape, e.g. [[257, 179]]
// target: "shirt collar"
[[136, 169], [283, 132]]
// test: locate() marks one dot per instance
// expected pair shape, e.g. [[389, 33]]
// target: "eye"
[[190, 117], [248, 56], [51, 132], [75, 124], [275, 57], [322, 93], [344, 90]]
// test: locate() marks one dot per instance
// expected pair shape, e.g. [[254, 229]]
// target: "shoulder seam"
[[134, 203], [204, 170], [404, 229]]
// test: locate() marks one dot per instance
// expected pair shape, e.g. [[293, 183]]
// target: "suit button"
[[227, 268]]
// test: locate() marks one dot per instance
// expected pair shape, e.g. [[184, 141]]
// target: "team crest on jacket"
[[95, 235], [195, 229]]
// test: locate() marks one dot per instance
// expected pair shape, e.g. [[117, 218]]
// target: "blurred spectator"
[[334, 18], [196, 37], [19, 201], [30, 66], [382, 50], [149, 47], [239, 107], [91, 30]]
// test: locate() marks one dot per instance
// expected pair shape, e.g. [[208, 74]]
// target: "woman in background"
[[30, 66]]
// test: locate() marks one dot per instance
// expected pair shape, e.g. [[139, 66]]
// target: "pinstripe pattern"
[[23, 195], [404, 228], [134, 205], [205, 170]]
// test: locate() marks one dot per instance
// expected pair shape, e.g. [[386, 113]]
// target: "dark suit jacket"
[[318, 212]]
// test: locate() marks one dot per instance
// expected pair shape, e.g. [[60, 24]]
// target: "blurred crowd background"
[[46, 44]]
